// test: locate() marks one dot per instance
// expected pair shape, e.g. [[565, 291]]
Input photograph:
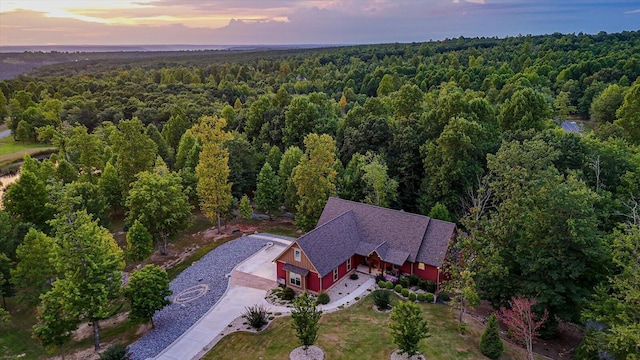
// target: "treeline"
[[460, 129]]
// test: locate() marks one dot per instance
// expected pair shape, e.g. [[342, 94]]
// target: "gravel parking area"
[[205, 283]]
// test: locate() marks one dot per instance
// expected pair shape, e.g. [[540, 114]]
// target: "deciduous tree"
[[158, 201], [139, 242], [267, 195], [214, 188], [290, 159], [381, 189], [135, 151], [314, 179], [523, 322], [245, 208], [408, 327], [147, 292], [305, 315], [35, 267]]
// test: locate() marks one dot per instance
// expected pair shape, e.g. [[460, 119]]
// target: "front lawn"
[[12, 151], [358, 332]]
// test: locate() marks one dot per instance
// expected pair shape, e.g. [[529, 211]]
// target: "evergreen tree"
[[491, 345]]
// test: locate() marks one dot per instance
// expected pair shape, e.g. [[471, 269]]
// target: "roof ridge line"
[[380, 207]]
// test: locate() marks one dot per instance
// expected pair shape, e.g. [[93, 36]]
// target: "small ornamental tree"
[[147, 291], [305, 317], [139, 242], [245, 208], [408, 326], [491, 345], [523, 322]]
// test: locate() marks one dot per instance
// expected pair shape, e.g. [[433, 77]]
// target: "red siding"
[[406, 268], [313, 282], [327, 281], [429, 272], [282, 274]]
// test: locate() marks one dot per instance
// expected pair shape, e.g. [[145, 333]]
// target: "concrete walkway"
[[249, 283]]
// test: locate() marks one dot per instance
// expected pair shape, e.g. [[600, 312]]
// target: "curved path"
[[249, 283]]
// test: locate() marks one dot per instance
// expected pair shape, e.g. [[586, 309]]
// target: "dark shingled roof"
[[331, 245], [346, 228]]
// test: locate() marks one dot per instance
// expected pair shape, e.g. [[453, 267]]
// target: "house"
[[351, 234]]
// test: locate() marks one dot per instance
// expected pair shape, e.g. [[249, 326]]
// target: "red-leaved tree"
[[523, 322]]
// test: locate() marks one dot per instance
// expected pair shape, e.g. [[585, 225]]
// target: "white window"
[[348, 264], [295, 279], [421, 266], [335, 274], [297, 254]]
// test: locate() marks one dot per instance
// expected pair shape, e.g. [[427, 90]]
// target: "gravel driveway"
[[209, 272]]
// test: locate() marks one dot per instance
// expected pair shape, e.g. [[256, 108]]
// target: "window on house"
[[295, 279], [335, 274], [348, 264], [297, 255], [421, 266]]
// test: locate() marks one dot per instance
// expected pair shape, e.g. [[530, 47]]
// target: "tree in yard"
[[36, 265], [245, 208], [147, 292], [522, 321], [157, 200], [267, 195], [408, 326], [89, 263], [305, 315], [55, 320], [139, 242], [381, 189], [290, 159], [491, 345], [214, 188], [463, 286], [314, 179]]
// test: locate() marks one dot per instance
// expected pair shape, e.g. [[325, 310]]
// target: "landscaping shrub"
[[444, 296], [115, 352], [404, 281], [413, 280], [382, 299], [288, 293], [389, 285], [382, 284], [353, 276], [405, 292], [256, 316], [422, 297], [491, 345], [431, 286], [412, 296], [422, 284], [398, 288], [323, 298], [429, 297]]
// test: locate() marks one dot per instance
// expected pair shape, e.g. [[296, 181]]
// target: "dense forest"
[[463, 129]]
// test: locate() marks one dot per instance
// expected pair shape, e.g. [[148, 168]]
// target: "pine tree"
[[491, 345]]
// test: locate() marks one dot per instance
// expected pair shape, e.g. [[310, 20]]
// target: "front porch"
[[374, 266]]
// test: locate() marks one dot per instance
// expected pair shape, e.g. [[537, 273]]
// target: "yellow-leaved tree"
[[214, 188]]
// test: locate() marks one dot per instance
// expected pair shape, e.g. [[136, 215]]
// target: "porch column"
[[369, 261]]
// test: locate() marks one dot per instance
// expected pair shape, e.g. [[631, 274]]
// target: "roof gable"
[[332, 244]]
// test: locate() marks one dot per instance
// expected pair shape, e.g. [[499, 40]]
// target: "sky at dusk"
[[242, 22]]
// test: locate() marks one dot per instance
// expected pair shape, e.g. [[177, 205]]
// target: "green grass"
[[358, 332], [15, 339], [12, 151]]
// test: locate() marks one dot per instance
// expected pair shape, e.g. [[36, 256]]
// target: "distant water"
[[127, 48]]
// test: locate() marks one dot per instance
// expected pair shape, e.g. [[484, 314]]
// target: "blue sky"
[[135, 22]]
